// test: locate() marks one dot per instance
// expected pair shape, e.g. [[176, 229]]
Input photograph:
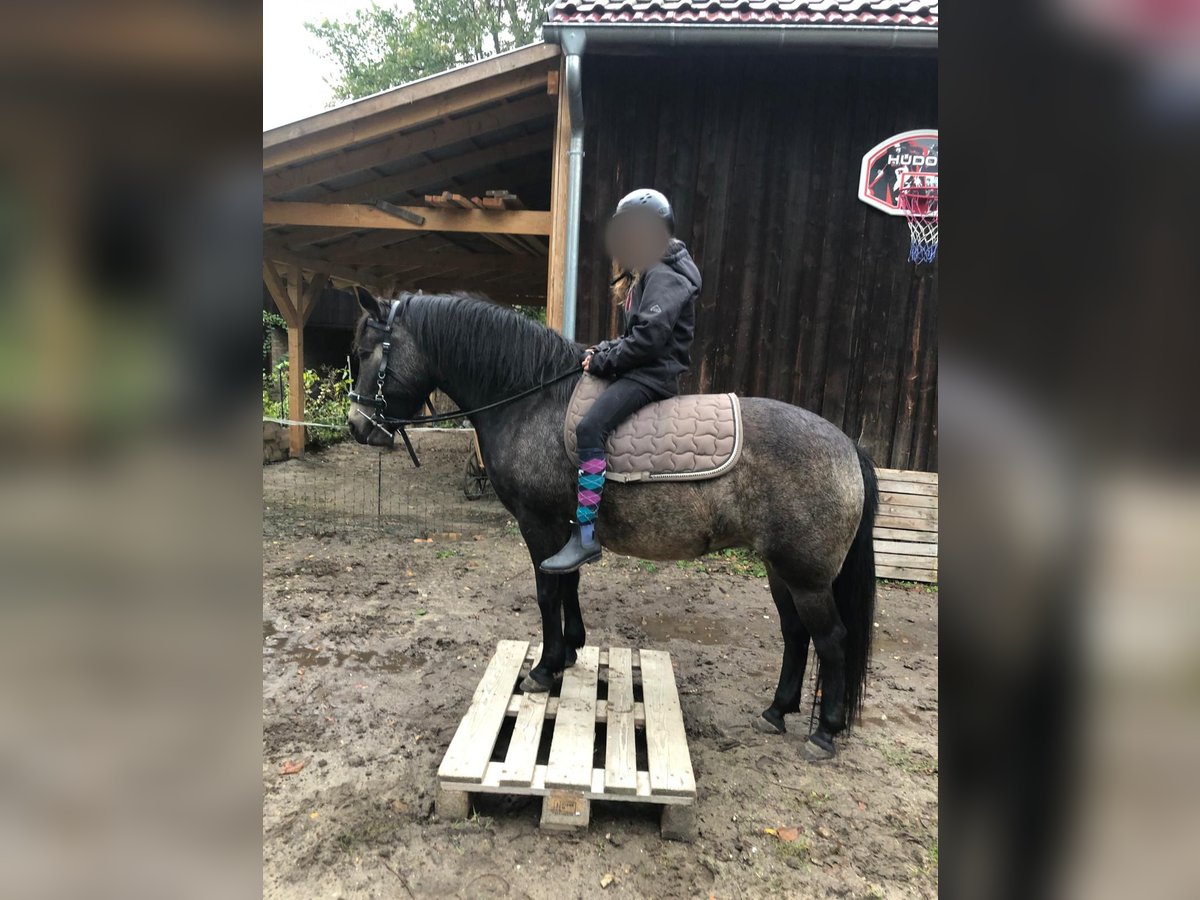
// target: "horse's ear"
[[368, 301]]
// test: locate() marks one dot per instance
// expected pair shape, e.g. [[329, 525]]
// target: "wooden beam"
[[473, 266], [399, 119], [352, 274], [477, 221], [296, 389], [278, 292], [403, 146], [558, 213], [406, 95], [312, 293], [441, 171]]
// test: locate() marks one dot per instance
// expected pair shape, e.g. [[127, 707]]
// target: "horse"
[[803, 495]]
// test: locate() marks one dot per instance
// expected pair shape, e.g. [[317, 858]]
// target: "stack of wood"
[[500, 199]]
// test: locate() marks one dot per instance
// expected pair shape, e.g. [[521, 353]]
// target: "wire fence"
[[348, 489]]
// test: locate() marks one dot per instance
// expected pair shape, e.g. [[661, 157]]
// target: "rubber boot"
[[581, 548]]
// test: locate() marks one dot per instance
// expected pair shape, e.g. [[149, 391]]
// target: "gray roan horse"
[[803, 494]]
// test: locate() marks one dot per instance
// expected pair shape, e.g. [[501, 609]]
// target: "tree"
[[382, 47]]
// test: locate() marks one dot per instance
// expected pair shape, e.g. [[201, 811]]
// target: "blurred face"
[[637, 239]]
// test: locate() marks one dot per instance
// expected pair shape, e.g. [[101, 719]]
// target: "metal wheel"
[[475, 479]]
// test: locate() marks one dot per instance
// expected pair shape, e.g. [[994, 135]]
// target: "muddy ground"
[[373, 647]]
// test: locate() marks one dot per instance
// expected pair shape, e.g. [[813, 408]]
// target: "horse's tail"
[[854, 593]]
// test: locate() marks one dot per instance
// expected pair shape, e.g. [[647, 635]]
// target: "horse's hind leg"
[[795, 658], [819, 614]]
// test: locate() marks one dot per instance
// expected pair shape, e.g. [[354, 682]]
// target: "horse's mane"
[[490, 343]]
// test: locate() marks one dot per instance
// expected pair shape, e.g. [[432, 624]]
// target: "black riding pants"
[[620, 400]]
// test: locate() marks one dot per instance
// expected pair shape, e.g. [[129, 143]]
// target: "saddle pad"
[[685, 438]]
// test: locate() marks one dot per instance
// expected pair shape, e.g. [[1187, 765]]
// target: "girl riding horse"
[[644, 363]]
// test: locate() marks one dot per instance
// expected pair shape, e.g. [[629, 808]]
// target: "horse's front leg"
[[573, 630], [554, 647]]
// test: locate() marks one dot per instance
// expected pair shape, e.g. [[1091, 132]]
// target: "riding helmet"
[[650, 200]]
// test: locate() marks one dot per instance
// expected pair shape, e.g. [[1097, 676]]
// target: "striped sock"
[[591, 487]]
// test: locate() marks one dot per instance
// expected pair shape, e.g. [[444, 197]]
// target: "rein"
[[393, 426]]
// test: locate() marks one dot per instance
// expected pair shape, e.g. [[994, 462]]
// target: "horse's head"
[[393, 376]]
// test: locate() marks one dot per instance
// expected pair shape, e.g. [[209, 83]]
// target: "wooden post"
[[558, 210], [296, 304]]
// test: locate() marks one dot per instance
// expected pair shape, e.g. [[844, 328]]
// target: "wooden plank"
[[477, 221], [490, 784], [443, 170], [905, 534], [666, 741], [906, 475], [906, 574], [355, 124], [404, 146], [467, 758], [911, 523], [894, 499], [639, 710], [509, 244], [521, 758], [913, 549], [910, 560], [620, 754], [570, 762], [908, 487]]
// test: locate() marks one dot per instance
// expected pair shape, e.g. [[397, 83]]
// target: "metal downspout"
[[572, 44]]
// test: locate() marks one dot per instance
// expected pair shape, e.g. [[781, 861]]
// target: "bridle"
[[393, 426]]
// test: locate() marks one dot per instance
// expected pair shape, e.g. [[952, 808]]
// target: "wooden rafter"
[[402, 146], [402, 260], [305, 147], [441, 171], [350, 216]]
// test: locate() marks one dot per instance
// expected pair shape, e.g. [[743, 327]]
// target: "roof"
[[859, 13], [485, 126]]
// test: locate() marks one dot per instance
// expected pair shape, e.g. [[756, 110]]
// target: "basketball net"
[[918, 198]]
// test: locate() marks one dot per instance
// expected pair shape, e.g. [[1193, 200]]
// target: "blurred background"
[[129, 482]]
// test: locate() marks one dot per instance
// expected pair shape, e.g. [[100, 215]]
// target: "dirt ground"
[[373, 647]]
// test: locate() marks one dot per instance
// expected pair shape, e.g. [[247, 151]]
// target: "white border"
[[864, 168]]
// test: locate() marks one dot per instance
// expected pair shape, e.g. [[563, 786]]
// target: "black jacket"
[[656, 332]]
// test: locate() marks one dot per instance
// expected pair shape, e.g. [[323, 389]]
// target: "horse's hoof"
[[570, 658], [818, 748], [765, 725], [530, 685]]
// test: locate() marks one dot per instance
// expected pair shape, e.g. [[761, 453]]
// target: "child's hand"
[[587, 358]]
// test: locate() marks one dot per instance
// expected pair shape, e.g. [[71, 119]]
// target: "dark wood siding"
[[808, 293]]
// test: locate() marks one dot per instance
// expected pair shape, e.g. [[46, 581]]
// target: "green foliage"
[[382, 47], [327, 401], [270, 320]]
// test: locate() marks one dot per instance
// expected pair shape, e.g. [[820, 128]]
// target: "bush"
[[327, 401], [270, 320]]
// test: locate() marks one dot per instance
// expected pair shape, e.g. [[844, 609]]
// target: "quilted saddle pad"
[[686, 438]]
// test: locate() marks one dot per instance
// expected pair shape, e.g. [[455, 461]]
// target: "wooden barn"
[[752, 116]]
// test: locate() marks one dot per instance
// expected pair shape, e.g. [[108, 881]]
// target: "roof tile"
[[910, 13]]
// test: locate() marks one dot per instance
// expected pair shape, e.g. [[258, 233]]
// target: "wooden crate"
[[568, 781], [906, 529]]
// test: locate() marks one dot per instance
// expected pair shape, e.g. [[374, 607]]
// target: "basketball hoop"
[[918, 198]]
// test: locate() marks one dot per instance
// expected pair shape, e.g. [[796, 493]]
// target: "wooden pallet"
[[496, 747], [906, 529]]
